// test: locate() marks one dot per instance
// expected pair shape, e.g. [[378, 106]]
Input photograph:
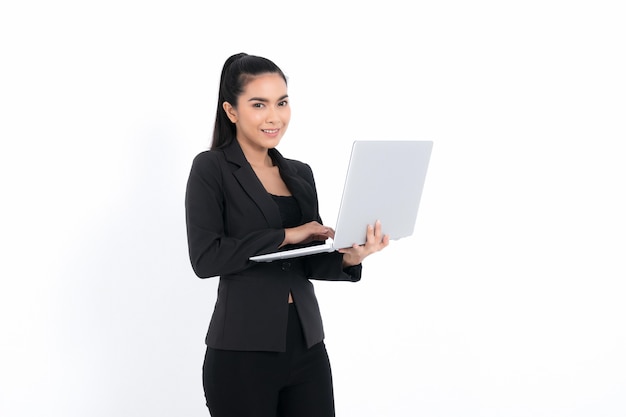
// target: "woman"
[[265, 351]]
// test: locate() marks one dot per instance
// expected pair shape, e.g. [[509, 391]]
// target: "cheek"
[[250, 118], [287, 115]]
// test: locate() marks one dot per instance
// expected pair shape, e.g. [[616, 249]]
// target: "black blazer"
[[231, 217]]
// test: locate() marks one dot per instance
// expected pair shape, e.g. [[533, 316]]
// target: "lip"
[[271, 132]]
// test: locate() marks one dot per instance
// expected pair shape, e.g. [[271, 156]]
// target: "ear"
[[231, 112]]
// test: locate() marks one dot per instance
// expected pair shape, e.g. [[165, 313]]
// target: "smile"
[[271, 131]]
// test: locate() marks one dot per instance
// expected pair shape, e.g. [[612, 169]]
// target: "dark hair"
[[238, 70]]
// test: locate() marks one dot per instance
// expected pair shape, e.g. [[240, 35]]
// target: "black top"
[[289, 210]]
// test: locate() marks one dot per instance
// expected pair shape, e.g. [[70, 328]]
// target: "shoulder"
[[208, 157], [207, 160], [207, 167]]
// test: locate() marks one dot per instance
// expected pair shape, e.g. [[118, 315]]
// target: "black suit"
[[231, 217]]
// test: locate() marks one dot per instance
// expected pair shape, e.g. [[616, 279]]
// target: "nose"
[[272, 115]]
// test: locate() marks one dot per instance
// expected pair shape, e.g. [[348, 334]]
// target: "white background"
[[508, 300]]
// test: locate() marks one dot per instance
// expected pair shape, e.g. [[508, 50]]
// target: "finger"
[[378, 228], [371, 234]]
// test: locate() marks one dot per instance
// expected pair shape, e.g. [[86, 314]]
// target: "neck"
[[256, 156]]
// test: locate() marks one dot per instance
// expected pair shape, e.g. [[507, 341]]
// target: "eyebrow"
[[264, 100]]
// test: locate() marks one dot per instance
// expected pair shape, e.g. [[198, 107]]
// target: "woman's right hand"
[[306, 233]]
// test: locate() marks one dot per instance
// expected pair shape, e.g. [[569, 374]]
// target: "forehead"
[[266, 86]]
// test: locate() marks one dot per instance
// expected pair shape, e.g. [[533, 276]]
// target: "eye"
[[258, 105], [283, 103]]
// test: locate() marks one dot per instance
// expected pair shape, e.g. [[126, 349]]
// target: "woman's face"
[[262, 113]]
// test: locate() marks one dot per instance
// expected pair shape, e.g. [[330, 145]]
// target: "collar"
[[301, 189]]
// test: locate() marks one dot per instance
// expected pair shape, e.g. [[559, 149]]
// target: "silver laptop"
[[384, 182]]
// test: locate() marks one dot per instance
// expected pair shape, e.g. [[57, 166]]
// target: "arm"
[[330, 267], [212, 252], [346, 264]]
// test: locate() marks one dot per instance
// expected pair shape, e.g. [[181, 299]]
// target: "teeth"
[[270, 130]]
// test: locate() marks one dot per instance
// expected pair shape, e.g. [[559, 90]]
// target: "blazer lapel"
[[302, 190], [248, 180]]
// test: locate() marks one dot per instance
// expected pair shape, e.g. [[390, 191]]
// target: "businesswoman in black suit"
[[265, 351]]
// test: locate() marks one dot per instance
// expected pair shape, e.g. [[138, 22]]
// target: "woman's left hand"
[[374, 242]]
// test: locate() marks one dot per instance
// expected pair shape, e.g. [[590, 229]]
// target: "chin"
[[272, 143]]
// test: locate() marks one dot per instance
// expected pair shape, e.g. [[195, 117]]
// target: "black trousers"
[[295, 383]]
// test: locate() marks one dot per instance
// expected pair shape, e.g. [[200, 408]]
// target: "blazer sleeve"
[[211, 251], [328, 267]]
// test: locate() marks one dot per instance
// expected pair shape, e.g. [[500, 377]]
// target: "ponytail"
[[236, 73]]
